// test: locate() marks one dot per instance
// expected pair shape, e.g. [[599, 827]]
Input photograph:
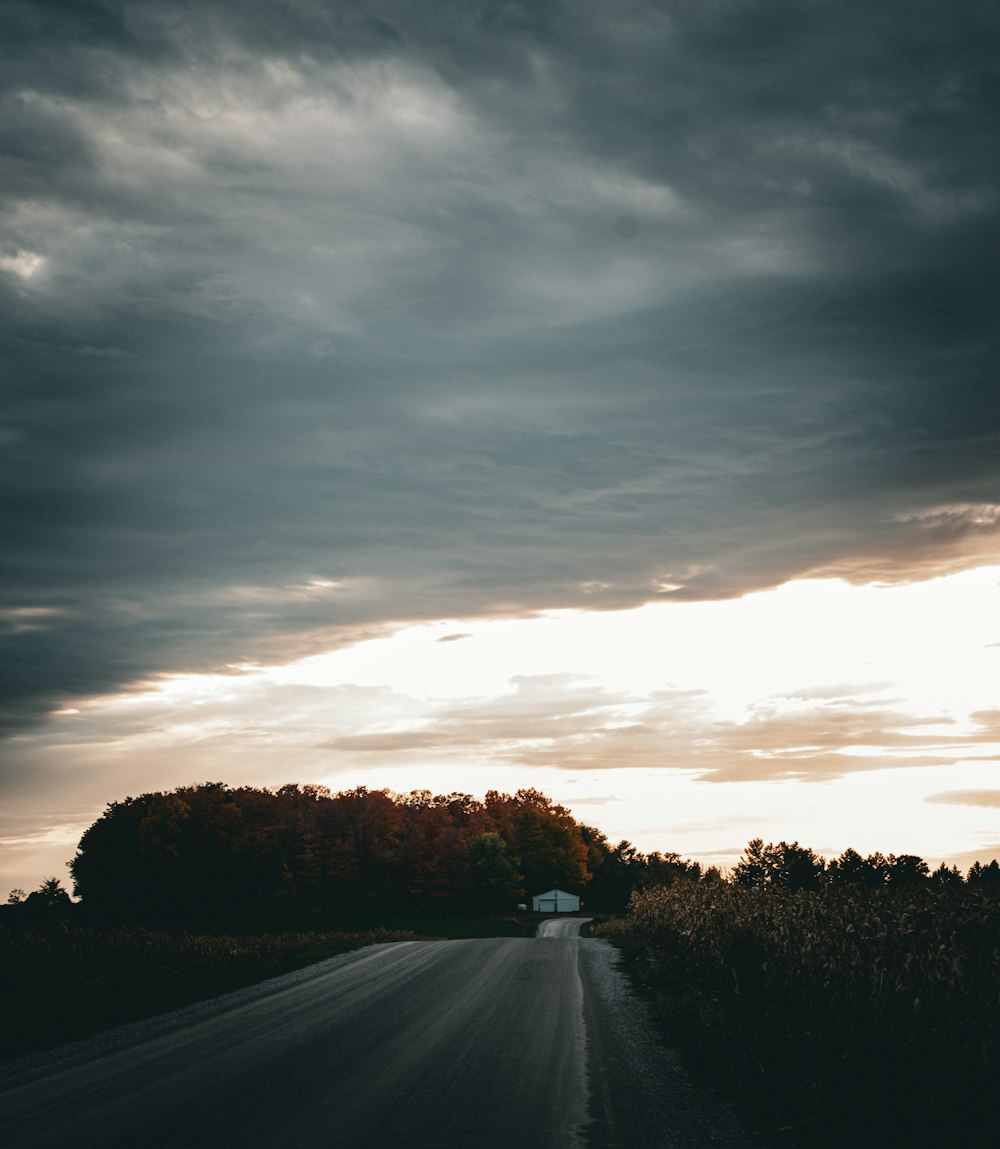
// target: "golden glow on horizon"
[[874, 698], [920, 651]]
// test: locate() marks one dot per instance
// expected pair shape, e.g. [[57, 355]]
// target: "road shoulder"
[[640, 1096]]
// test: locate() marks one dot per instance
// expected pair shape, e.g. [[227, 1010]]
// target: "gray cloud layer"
[[321, 316]]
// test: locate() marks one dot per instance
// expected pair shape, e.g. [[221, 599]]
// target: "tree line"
[[211, 852], [789, 866]]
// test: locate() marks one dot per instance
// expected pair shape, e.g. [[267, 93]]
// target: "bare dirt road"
[[486, 1043]]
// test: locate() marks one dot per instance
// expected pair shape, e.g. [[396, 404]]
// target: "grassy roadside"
[[63, 984], [425, 925]]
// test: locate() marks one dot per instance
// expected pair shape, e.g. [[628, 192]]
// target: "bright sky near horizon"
[[838, 715], [475, 394]]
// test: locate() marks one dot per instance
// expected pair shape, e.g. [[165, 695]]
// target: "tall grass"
[[841, 1016], [65, 983]]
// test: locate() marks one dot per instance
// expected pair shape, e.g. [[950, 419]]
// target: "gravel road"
[[500, 1042]]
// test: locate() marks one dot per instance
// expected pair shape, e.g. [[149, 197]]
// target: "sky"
[[469, 395]]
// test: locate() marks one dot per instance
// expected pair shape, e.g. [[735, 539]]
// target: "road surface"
[[479, 1044]]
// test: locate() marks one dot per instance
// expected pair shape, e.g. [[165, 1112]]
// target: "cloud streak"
[[560, 722], [986, 798]]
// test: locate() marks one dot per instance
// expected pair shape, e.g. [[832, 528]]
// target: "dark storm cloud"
[[321, 316]]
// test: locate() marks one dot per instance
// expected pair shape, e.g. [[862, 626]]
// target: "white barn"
[[555, 902]]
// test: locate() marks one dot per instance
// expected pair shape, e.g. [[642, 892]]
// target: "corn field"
[[838, 1013]]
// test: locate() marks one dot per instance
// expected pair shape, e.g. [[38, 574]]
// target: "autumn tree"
[[433, 854], [544, 836], [493, 870], [110, 873], [212, 852]]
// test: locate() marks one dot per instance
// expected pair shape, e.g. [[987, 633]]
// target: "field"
[[836, 1017], [66, 982]]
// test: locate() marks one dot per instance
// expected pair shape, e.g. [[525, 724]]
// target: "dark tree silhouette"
[[209, 852], [984, 877], [493, 870], [786, 866]]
